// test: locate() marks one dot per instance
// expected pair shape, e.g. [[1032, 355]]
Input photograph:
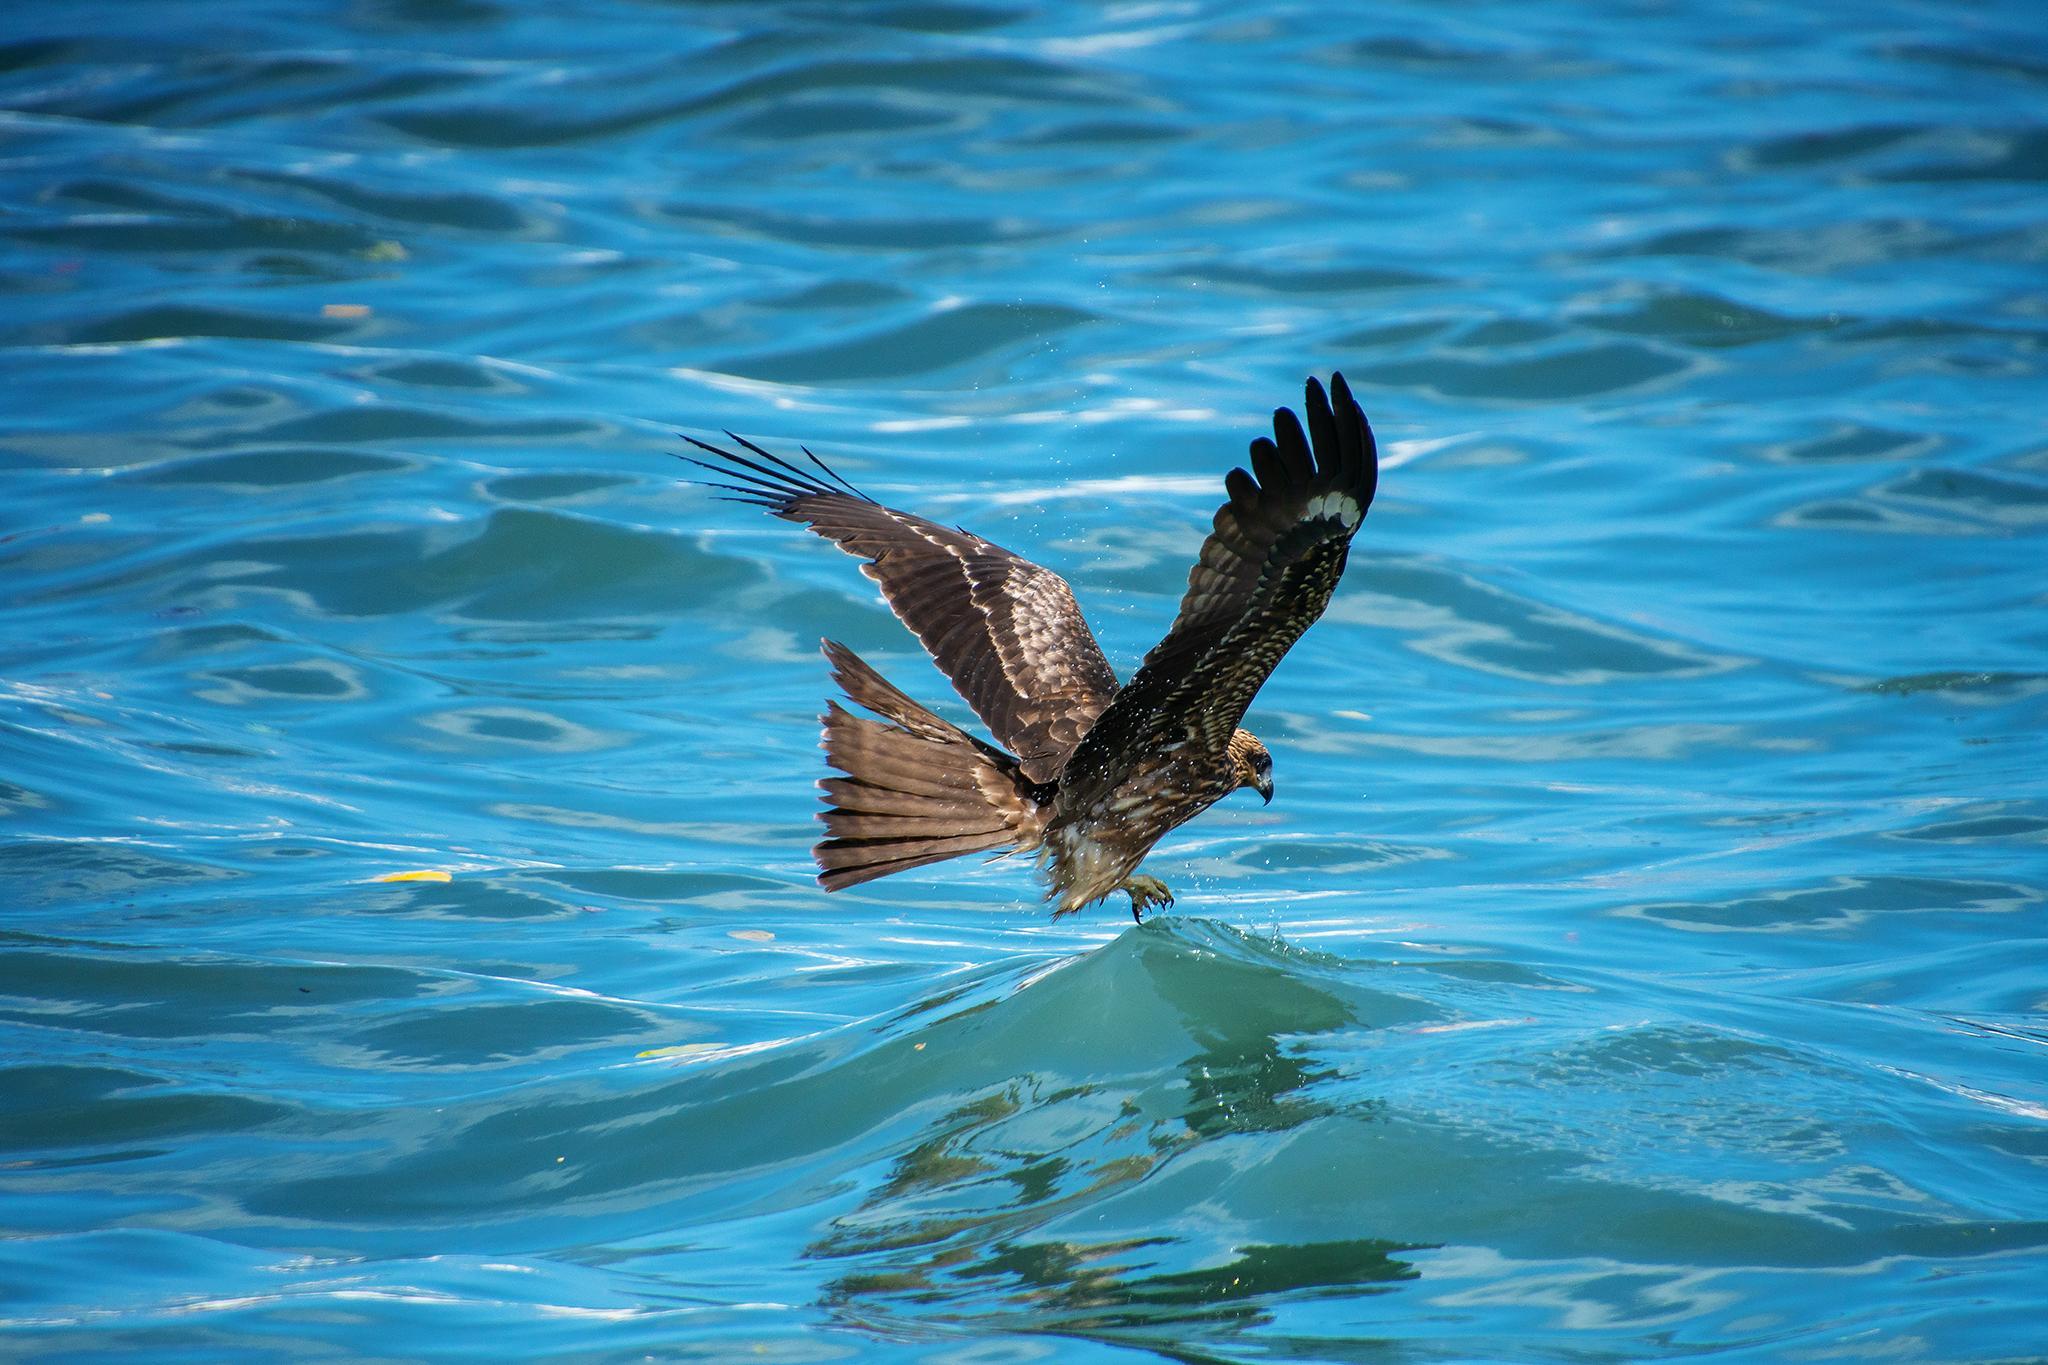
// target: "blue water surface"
[[1644, 956]]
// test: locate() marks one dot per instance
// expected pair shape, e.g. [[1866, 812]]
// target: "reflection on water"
[[978, 1205]]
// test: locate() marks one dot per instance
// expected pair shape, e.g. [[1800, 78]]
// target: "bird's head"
[[1251, 764]]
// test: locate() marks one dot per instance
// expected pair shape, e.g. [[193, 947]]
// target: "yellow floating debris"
[[344, 310], [428, 874]]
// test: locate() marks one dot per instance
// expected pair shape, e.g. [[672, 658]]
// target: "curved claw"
[[1145, 892]]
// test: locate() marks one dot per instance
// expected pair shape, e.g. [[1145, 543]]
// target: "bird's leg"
[[1145, 892]]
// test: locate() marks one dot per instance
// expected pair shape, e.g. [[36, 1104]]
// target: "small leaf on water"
[[427, 874]]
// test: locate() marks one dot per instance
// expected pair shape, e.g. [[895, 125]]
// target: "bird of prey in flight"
[[1091, 773]]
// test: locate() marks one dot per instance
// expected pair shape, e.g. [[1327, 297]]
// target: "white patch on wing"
[[1338, 507]]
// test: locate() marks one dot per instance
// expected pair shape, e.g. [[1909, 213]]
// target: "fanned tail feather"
[[917, 789]]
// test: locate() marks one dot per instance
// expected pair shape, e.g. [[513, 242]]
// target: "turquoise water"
[[1643, 956]]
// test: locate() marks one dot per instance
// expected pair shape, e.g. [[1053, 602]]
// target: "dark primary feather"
[[1264, 575], [1004, 630]]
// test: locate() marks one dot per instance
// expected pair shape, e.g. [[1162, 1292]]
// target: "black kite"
[[1095, 773]]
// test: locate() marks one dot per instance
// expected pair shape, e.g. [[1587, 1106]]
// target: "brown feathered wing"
[[1264, 575], [1007, 632]]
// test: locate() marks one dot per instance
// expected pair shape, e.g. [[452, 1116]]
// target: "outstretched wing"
[[1264, 575], [1004, 630]]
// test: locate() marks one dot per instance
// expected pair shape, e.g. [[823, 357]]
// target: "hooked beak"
[[1265, 789]]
